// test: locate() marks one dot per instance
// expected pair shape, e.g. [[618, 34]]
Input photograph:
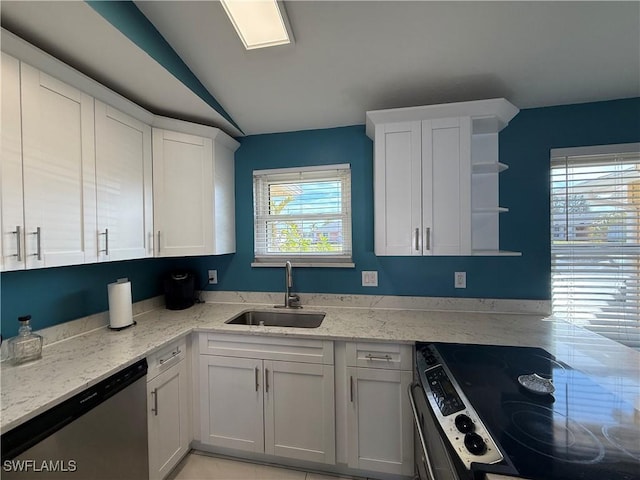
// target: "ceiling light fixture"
[[259, 23]]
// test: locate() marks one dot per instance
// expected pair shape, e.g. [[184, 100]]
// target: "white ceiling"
[[353, 56]]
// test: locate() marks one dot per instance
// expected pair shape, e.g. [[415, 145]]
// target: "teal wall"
[[524, 146], [56, 295]]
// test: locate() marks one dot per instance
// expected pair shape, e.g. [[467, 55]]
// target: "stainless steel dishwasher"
[[100, 433]]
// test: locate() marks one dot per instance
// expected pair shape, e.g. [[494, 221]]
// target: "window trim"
[[308, 260]]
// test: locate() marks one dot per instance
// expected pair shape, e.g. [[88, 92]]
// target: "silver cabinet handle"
[[420, 433], [158, 241], [38, 234], [266, 379], [18, 233], [106, 241], [378, 357], [154, 392], [351, 388], [416, 239], [257, 382], [427, 234], [174, 354]]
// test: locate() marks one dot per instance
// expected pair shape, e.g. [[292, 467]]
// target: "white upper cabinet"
[[436, 178], [193, 191], [58, 156], [124, 185], [11, 195], [85, 179]]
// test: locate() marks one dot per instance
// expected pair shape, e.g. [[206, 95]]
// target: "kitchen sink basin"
[[279, 318]]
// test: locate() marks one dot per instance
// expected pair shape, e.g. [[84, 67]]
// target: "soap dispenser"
[[27, 346]]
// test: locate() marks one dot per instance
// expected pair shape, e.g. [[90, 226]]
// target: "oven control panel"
[[459, 421], [444, 394]]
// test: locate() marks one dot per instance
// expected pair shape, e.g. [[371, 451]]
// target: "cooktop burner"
[[550, 433], [580, 431]]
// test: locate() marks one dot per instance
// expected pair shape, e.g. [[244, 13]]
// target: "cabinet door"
[[397, 189], [446, 186], [11, 194], [299, 411], [380, 428], [59, 171], [167, 399], [124, 185], [183, 194], [231, 403]]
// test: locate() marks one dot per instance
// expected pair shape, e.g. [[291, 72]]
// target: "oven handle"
[[419, 428]]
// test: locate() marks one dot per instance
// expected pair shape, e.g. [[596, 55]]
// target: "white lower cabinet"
[[231, 413], [167, 401], [299, 411], [261, 405], [379, 423]]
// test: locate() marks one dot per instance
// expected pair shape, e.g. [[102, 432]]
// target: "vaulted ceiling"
[[348, 56]]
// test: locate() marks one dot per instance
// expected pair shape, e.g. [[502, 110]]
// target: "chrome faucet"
[[291, 300]]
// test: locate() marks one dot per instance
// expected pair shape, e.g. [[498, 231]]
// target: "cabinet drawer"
[[267, 348], [389, 356], [166, 357]]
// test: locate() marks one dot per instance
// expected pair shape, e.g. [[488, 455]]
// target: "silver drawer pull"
[[175, 353], [416, 239], [266, 379], [38, 234], [351, 388], [378, 357], [18, 232], [257, 381], [154, 392], [106, 241]]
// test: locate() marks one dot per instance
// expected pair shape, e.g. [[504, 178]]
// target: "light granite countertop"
[[71, 365]]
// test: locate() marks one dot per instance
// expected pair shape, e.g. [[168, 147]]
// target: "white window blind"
[[303, 215], [595, 240]]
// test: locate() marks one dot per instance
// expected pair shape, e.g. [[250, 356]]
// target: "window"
[[595, 239], [303, 215]]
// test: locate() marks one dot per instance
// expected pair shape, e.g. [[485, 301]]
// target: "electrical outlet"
[[460, 280], [213, 277], [370, 278]]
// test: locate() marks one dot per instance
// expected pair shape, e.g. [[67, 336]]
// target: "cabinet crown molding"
[[190, 128], [487, 116], [30, 54]]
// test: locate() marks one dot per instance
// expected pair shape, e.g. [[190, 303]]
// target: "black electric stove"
[[580, 431]]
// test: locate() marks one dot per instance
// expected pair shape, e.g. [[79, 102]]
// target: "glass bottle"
[[27, 346]]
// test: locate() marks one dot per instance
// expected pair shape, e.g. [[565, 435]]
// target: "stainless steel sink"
[[279, 318]]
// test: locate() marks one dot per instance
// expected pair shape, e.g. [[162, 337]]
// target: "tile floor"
[[201, 466]]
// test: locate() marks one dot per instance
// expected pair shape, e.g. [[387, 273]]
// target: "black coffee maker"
[[179, 290]]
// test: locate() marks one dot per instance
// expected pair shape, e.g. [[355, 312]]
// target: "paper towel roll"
[[120, 309]]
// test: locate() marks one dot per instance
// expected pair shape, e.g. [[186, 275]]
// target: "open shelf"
[[490, 210], [489, 167], [496, 253]]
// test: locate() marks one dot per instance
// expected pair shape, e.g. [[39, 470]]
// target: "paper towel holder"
[[120, 305], [117, 329]]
